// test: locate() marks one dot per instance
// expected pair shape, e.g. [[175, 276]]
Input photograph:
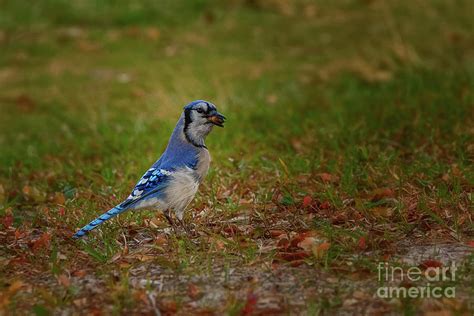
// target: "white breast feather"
[[181, 190], [203, 164]]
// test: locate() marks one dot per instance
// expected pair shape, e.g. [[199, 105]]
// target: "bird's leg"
[[170, 219]]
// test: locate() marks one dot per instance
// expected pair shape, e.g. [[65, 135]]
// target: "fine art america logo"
[[428, 281]]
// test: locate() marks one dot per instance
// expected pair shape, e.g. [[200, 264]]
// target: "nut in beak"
[[217, 119]]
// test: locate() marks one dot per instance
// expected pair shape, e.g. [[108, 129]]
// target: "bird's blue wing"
[[151, 184]]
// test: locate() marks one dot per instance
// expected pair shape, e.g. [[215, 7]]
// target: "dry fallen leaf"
[[275, 233], [152, 33], [362, 244], [328, 178], [301, 236], [320, 250], [42, 242], [7, 220], [283, 243], [15, 287], [5, 296], [80, 302], [33, 194], [430, 264], [382, 211], [379, 194], [297, 263], [25, 103], [291, 256], [168, 306], [59, 198], [79, 273], [161, 240], [64, 280], [308, 243], [307, 200], [325, 205], [250, 304], [193, 291], [232, 230]]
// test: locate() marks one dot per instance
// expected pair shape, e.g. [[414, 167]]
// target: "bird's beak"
[[217, 119]]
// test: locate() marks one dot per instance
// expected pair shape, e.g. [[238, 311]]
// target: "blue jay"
[[172, 181]]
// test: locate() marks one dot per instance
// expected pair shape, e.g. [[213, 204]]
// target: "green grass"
[[378, 95]]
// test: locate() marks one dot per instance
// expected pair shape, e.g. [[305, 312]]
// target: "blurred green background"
[[373, 94], [103, 82]]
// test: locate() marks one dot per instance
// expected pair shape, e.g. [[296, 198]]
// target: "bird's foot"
[[189, 231]]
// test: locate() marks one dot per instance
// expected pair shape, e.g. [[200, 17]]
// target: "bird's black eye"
[[199, 110]]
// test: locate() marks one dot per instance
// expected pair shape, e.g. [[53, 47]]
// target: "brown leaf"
[[325, 205], [328, 178], [297, 263], [79, 273], [15, 287], [379, 194], [19, 234], [430, 264], [291, 256], [80, 302], [25, 103], [64, 280], [232, 230], [320, 250], [220, 245], [140, 296], [272, 98], [339, 218], [193, 291], [144, 258], [168, 306], [59, 198], [301, 236], [275, 233], [362, 244], [87, 46], [5, 296], [250, 304], [33, 194], [7, 221], [382, 211], [470, 243], [152, 33], [283, 243], [308, 243], [20, 260], [161, 240], [307, 200], [42, 242]]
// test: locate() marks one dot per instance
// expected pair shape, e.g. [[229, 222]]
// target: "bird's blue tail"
[[99, 220]]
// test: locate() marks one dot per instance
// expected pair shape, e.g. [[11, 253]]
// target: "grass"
[[364, 107]]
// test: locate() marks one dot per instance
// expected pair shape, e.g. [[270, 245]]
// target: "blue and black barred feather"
[[150, 185]]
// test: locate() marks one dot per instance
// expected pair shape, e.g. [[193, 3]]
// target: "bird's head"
[[199, 118]]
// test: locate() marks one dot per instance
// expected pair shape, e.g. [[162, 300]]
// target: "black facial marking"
[[187, 121]]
